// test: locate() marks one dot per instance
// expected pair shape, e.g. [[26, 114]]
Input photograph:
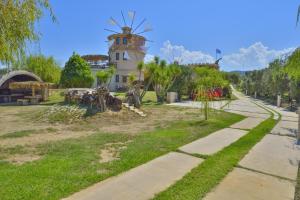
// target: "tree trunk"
[[101, 99], [206, 110], [136, 96]]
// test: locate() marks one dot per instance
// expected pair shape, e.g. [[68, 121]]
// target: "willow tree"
[[17, 26], [104, 76], [45, 67]]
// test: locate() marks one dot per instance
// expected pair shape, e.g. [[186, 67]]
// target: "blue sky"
[[249, 33]]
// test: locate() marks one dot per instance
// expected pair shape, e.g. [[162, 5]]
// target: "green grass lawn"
[[17, 134], [149, 98], [70, 165], [202, 179], [56, 96]]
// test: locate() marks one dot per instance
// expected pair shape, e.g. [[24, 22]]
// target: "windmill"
[[127, 45], [128, 26]]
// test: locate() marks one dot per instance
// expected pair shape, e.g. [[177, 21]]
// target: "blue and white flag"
[[218, 51]]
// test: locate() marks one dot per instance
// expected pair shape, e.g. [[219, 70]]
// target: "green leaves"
[[292, 67], [162, 76], [209, 78], [17, 22], [77, 73], [104, 76], [45, 67]]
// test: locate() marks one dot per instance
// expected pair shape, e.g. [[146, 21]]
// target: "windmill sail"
[[147, 28], [112, 22], [131, 14], [110, 43]]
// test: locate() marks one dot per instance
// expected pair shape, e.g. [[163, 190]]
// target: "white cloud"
[[148, 58], [256, 56], [179, 53]]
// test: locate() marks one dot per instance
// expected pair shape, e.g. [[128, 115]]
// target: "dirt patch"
[[131, 123], [16, 118], [20, 118], [35, 139], [112, 151], [19, 159]]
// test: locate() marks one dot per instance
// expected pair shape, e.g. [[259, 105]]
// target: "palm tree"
[[140, 68]]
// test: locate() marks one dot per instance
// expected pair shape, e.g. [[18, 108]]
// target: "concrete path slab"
[[197, 104], [287, 118], [243, 184], [214, 142], [288, 128], [248, 114], [246, 106], [269, 107], [276, 155], [142, 182], [248, 123]]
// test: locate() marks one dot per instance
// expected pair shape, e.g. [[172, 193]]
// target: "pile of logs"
[[98, 100]]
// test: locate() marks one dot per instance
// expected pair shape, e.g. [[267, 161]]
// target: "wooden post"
[[33, 91]]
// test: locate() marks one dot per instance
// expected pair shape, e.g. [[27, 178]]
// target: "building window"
[[117, 40], [124, 56], [117, 56], [124, 79], [124, 40], [117, 78]]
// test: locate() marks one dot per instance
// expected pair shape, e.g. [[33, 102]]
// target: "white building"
[[125, 52]]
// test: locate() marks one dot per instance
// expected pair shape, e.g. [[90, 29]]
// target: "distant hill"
[[239, 72]]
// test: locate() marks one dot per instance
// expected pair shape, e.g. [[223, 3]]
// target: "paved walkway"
[[197, 104], [269, 170], [248, 123], [146, 180], [142, 182], [241, 184], [214, 142]]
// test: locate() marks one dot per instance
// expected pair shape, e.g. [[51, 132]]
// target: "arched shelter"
[[7, 94]]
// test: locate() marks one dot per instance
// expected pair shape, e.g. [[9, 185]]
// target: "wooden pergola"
[[33, 85]]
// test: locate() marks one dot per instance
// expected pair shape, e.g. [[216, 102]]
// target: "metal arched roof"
[[12, 74]]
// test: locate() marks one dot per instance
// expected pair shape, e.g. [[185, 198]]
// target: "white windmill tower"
[[126, 49]]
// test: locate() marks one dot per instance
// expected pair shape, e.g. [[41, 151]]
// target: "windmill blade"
[[110, 43], [147, 28], [144, 49], [149, 41], [140, 24], [114, 22], [111, 31], [123, 18], [131, 15], [144, 31]]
